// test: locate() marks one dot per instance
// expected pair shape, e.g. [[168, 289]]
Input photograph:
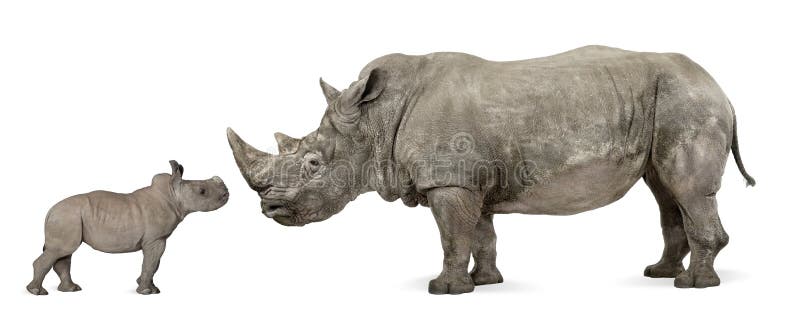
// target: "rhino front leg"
[[456, 211], [484, 242], [152, 257]]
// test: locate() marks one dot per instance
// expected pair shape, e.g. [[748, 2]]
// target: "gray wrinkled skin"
[[471, 138], [122, 223]]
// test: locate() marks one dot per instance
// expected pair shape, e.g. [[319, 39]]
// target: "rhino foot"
[[148, 290], [663, 270], [37, 290], [69, 287], [701, 277], [442, 286], [481, 276]]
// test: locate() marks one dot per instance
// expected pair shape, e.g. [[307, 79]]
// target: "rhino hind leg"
[[676, 244], [41, 266], [456, 211], [706, 239], [691, 170], [62, 268], [63, 235], [484, 251]]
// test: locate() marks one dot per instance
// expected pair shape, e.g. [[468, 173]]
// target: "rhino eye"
[[202, 191], [312, 163]]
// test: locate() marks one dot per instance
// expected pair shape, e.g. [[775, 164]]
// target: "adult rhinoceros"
[[471, 138]]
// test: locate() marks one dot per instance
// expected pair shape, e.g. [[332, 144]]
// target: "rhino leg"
[[690, 167], [676, 244], [41, 266], [484, 241], [62, 268], [456, 211], [63, 234], [152, 252], [706, 239]]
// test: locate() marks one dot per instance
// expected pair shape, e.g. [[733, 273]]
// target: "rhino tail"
[[738, 157]]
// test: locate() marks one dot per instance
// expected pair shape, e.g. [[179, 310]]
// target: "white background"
[[101, 94]]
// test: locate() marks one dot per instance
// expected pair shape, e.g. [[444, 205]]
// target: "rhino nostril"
[[273, 207]]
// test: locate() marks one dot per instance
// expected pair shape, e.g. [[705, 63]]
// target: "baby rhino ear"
[[177, 170], [286, 144]]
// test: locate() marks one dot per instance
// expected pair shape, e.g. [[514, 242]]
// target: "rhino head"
[[194, 195], [314, 177]]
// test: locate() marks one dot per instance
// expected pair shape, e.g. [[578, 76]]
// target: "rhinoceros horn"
[[245, 154]]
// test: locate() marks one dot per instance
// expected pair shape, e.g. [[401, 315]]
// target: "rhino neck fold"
[[385, 121], [162, 189]]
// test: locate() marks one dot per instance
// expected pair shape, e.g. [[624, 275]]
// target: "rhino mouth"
[[283, 215], [277, 210]]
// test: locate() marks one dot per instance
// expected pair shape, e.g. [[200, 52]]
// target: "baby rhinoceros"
[[121, 223]]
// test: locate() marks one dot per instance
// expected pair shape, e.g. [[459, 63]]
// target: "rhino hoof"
[[37, 290], [663, 270], [440, 286], [148, 290], [700, 278], [69, 288], [486, 277]]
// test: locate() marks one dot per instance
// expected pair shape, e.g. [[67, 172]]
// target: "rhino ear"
[[286, 144], [177, 169], [331, 93], [361, 91], [177, 173]]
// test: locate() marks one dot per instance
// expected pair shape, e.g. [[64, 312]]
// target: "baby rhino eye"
[[202, 191]]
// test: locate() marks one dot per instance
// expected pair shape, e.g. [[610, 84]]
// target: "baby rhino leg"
[[152, 252], [62, 268], [63, 235], [41, 266]]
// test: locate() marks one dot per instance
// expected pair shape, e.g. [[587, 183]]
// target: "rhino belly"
[[577, 189]]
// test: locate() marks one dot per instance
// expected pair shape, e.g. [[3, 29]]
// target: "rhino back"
[[553, 135]]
